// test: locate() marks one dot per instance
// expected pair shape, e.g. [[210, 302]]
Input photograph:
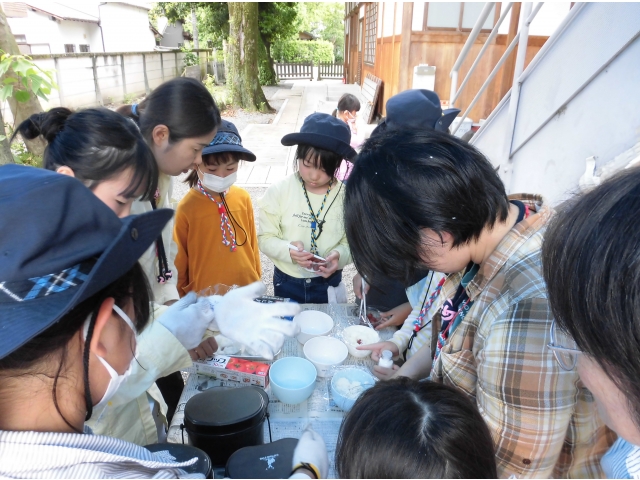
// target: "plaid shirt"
[[542, 419]]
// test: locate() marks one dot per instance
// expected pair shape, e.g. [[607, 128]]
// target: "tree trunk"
[[243, 80], [194, 25], [20, 110], [5, 150], [272, 69]]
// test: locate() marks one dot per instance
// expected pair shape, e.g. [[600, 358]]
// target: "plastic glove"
[[255, 325], [187, 319], [312, 449]]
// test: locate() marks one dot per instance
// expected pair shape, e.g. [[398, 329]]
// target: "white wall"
[[38, 28], [546, 20], [126, 28]]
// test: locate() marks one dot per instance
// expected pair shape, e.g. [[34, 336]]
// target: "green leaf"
[[36, 83], [21, 66], [22, 96], [42, 95], [9, 80], [4, 66], [3, 138], [6, 92]]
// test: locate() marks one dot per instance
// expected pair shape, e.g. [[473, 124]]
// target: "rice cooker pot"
[[223, 420]]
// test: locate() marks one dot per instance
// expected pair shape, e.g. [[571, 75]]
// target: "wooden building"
[[389, 39]]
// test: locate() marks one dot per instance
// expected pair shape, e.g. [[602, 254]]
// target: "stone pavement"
[[274, 161]]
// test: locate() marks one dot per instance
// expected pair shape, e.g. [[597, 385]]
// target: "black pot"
[[223, 420], [184, 453]]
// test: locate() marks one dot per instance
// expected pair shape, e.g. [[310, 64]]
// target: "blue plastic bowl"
[[292, 379], [351, 374]]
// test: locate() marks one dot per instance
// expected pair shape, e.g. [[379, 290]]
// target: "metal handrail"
[[467, 46], [492, 35], [498, 65]]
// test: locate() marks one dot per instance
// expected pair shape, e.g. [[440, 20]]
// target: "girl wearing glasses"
[[590, 259]]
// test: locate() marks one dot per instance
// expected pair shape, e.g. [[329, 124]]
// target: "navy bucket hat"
[[228, 140], [417, 109], [59, 246], [324, 131]]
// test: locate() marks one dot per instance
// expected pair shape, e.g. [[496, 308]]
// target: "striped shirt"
[[622, 460], [74, 455], [543, 421]]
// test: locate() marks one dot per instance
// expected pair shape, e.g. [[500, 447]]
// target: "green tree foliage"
[[315, 51], [325, 20]]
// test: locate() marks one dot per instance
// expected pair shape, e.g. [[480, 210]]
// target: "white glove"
[[311, 449], [187, 319], [255, 325]]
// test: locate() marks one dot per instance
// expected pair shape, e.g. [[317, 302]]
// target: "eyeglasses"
[[564, 348]]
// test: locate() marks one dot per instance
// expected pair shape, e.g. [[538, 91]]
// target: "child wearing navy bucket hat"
[[215, 228], [301, 217]]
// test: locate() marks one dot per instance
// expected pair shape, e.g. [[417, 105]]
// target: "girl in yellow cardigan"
[[214, 224]]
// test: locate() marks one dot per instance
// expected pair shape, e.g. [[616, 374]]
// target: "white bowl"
[[352, 334], [292, 379], [346, 401], [312, 324], [324, 353]]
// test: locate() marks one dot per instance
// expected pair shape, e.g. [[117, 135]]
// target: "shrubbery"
[[315, 51]]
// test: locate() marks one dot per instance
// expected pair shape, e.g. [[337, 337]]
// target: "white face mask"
[[216, 183], [116, 379]]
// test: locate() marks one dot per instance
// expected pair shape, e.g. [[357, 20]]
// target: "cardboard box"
[[223, 367]]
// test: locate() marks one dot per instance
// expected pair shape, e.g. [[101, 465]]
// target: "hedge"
[[315, 51]]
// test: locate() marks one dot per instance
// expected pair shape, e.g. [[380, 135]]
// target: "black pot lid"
[[184, 453], [225, 410]]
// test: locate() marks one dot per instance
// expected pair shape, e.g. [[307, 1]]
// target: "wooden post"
[[177, 70], [56, 64], [144, 70], [96, 84], [508, 68], [124, 77], [162, 65], [406, 71]]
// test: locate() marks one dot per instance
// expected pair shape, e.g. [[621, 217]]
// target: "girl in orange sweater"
[[214, 225]]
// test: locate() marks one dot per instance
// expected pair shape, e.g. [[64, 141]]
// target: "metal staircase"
[[572, 117]]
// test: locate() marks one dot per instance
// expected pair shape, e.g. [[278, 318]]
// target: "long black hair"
[[591, 263], [403, 428], [96, 144], [407, 181], [182, 104]]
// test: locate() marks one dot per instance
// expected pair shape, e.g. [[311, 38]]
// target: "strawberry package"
[[247, 372]]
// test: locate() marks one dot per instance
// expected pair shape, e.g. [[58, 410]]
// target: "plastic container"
[[292, 379], [325, 353], [345, 402], [184, 453], [312, 324], [357, 335], [223, 420], [386, 359]]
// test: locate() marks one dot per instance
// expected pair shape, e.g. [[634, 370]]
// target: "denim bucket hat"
[[416, 109], [228, 140], [59, 246], [324, 131]]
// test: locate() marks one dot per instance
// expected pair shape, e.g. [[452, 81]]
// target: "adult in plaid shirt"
[[424, 198]]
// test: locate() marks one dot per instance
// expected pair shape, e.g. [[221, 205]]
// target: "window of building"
[[84, 48], [69, 48], [459, 16], [21, 38], [370, 33]]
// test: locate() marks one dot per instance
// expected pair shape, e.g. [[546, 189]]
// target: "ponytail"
[[335, 112], [46, 124]]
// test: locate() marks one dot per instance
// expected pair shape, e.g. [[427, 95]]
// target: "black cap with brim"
[[220, 148], [228, 139], [57, 252], [321, 130]]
